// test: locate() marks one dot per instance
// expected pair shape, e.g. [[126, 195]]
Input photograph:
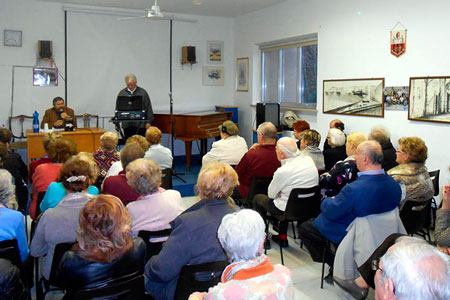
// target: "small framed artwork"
[[242, 74], [45, 76], [213, 76], [358, 97], [396, 97], [429, 99], [214, 51]]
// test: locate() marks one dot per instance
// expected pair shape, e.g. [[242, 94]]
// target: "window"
[[289, 74]]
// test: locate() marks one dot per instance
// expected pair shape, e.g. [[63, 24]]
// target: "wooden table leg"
[[188, 149], [203, 147]]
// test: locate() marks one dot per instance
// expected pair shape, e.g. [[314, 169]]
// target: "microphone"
[[59, 111]]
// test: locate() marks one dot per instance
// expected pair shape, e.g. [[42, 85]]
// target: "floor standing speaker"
[[268, 112]]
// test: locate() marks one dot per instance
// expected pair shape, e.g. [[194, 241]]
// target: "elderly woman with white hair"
[[382, 135], [12, 224], [336, 140], [156, 207], [250, 274], [194, 232]]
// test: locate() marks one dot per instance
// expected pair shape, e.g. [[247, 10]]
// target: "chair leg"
[[323, 267], [281, 254], [293, 230]]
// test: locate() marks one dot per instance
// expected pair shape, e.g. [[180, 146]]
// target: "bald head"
[[336, 123], [286, 148], [369, 156]]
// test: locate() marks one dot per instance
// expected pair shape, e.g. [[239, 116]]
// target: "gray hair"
[[337, 137], [380, 134], [144, 176], [417, 271], [373, 150], [241, 235], [129, 77], [7, 188], [130, 153], [288, 146], [267, 130]]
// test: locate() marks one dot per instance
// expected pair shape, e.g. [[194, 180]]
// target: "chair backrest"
[[129, 287], [434, 175], [303, 204], [166, 178], [414, 217], [9, 249], [198, 278], [259, 185], [21, 119], [153, 248], [60, 250], [87, 119], [40, 197]]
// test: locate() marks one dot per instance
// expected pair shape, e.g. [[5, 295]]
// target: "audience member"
[[412, 271], [261, 160], [56, 191], [12, 201], [373, 192], [155, 207], [117, 185], [300, 126], [309, 145], [12, 224], [59, 224], [104, 250], [194, 236], [383, 136], [230, 148], [137, 139], [296, 171], [344, 171], [59, 152], [336, 152], [106, 155], [250, 273], [14, 164], [48, 138], [411, 173], [338, 124], [58, 115], [161, 155], [442, 229]]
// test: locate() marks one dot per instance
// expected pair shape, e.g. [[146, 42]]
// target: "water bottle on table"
[[36, 121]]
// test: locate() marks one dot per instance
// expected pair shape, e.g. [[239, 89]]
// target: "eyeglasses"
[[401, 152], [375, 265]]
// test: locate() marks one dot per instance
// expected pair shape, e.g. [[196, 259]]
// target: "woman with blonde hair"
[[106, 155], [104, 249], [344, 171], [157, 152], [194, 232]]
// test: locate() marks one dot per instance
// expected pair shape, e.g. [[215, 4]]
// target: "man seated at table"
[[58, 115]]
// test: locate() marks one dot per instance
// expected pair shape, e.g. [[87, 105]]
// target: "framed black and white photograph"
[[214, 51], [429, 99], [359, 97], [396, 98], [242, 74], [45, 76], [213, 76]]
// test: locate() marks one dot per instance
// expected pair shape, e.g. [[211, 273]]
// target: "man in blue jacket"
[[374, 192]]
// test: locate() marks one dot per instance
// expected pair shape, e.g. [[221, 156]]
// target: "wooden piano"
[[192, 127]]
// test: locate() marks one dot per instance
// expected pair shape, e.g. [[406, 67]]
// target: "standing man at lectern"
[[131, 128], [56, 116]]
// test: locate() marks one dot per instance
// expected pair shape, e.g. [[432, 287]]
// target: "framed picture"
[[429, 99], [214, 51], [45, 76], [213, 76], [242, 74], [396, 97], [358, 97]]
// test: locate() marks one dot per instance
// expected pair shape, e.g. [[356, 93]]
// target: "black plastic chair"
[[166, 179], [434, 175], [40, 197], [303, 204], [259, 185], [330, 248], [129, 287], [153, 248], [9, 249], [198, 278], [416, 217]]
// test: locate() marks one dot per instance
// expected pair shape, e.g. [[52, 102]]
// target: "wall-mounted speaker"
[[268, 112], [188, 54], [45, 49]]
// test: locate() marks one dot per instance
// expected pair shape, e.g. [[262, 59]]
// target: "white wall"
[[353, 45]]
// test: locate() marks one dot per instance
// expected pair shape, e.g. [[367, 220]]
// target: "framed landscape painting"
[[213, 76], [429, 99], [359, 97], [214, 51], [242, 74]]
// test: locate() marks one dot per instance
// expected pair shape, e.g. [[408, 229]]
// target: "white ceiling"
[[219, 8]]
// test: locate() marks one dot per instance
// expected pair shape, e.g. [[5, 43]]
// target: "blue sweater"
[[369, 194], [12, 226], [56, 192]]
